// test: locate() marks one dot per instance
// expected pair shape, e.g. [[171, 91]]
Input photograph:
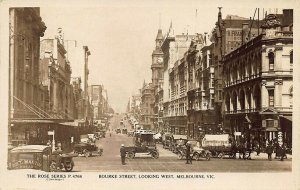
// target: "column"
[[278, 57], [278, 93], [55, 102], [264, 59], [264, 94]]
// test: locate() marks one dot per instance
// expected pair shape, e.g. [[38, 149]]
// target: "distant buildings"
[[99, 101]]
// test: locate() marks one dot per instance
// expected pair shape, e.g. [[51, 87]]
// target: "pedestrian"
[[234, 149], [123, 154], [269, 150], [283, 150], [241, 150], [257, 149], [188, 154], [249, 150]]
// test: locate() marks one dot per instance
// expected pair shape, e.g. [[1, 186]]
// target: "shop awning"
[[288, 117], [271, 129], [71, 124], [30, 121]]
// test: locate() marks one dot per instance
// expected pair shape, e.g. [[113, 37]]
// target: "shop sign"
[[264, 123], [237, 133]]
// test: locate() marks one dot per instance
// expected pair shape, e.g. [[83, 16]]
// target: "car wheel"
[[207, 157], [52, 166], [130, 155], [69, 167], [155, 154], [221, 155], [179, 156], [86, 153], [197, 156]]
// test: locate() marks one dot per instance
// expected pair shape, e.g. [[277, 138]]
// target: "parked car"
[[143, 143], [219, 145], [118, 130], [198, 152], [130, 133], [88, 149], [62, 161], [124, 131], [85, 138], [36, 157], [92, 137], [177, 140]]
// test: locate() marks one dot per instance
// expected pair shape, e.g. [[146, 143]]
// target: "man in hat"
[[123, 154], [188, 154]]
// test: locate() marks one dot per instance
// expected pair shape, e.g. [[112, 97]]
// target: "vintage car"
[[177, 141], [166, 140], [219, 145], [196, 151], [85, 138], [36, 157], [124, 131], [118, 130], [87, 149], [130, 133], [143, 143]]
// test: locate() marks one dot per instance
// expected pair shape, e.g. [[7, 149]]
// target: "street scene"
[[184, 95]]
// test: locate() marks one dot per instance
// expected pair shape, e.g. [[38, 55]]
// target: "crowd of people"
[[245, 148]]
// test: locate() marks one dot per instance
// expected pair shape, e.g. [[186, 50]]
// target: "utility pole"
[[86, 73]]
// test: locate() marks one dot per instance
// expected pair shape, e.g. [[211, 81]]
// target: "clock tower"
[[157, 61]]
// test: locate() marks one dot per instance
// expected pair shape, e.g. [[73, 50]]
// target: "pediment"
[[269, 111]]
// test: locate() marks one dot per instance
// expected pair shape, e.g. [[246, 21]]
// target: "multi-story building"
[[104, 103], [174, 98], [26, 95], [95, 94], [135, 105], [147, 99], [55, 74], [258, 78], [201, 112], [157, 81], [227, 36], [78, 98]]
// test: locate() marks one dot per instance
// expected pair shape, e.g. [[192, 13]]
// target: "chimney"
[[245, 31]]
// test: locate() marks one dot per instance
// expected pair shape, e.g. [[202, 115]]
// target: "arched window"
[[291, 57], [271, 61]]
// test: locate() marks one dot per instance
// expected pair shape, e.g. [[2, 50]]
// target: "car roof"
[[30, 148], [179, 136]]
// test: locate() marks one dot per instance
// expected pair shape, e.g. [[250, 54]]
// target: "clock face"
[[159, 60]]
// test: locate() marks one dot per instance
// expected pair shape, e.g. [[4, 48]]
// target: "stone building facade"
[[147, 101], [26, 95], [228, 34], [258, 80], [55, 74]]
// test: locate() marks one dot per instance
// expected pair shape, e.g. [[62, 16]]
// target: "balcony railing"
[[243, 111]]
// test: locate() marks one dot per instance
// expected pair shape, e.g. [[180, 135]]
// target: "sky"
[[121, 37]]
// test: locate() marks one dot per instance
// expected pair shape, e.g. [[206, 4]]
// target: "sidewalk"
[[264, 156]]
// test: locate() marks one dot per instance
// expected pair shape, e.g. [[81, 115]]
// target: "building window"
[[271, 98], [270, 123], [271, 61], [291, 57]]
